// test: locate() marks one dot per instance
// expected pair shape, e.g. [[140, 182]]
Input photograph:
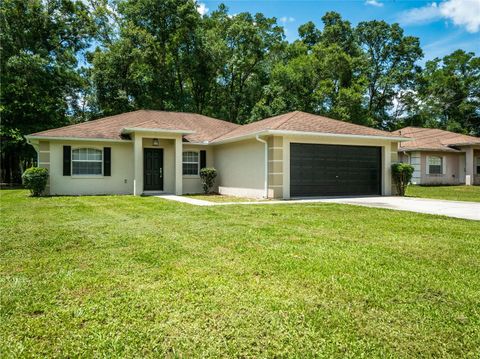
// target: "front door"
[[153, 169]]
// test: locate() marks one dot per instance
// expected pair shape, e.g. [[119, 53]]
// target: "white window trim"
[[197, 163], [442, 166], [85, 175]]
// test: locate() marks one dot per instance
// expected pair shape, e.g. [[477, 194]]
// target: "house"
[[291, 155], [440, 157]]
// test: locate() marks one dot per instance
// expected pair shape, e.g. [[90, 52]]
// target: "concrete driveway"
[[457, 209]]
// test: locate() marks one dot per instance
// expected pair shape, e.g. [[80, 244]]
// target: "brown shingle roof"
[[433, 139], [304, 122], [205, 128]]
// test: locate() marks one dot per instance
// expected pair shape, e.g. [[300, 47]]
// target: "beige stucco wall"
[[193, 184], [240, 167], [43, 159], [275, 166], [120, 182], [476, 153], [454, 169], [387, 157]]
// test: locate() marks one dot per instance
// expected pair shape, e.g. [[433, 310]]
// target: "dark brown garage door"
[[331, 170]]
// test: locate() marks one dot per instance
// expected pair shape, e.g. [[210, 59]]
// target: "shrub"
[[35, 179], [208, 176], [402, 174]]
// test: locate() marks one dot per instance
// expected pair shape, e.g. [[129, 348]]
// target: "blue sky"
[[442, 26]]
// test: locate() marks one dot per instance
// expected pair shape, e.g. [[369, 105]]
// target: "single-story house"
[[440, 157], [143, 152]]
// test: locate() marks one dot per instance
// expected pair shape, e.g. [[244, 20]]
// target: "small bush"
[[402, 175], [208, 176], [35, 179]]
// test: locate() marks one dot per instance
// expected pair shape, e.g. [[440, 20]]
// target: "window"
[[87, 161], [190, 163], [478, 165], [435, 165]]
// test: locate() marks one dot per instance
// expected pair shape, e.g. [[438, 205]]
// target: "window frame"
[[429, 172], [89, 174], [191, 162]]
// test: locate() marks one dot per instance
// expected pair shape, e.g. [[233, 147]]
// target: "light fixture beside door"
[[155, 142]]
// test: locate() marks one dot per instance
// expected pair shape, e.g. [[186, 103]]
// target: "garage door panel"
[[328, 170]]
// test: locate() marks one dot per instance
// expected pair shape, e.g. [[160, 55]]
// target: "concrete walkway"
[[456, 209]]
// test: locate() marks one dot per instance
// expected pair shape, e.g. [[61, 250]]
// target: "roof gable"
[[204, 128], [299, 121]]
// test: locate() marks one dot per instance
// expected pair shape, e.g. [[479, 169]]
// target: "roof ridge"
[[293, 114]]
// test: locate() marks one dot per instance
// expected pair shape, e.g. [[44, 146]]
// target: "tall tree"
[[448, 94], [319, 74], [243, 47], [390, 68], [155, 61], [40, 43]]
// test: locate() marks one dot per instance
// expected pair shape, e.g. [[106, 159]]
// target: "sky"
[[442, 26]]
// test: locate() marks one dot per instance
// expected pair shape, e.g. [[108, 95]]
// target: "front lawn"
[[124, 276], [454, 193], [221, 198]]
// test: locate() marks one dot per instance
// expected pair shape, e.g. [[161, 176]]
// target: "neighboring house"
[[292, 155], [440, 157]]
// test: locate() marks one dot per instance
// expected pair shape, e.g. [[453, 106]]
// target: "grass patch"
[[221, 198], [454, 193], [124, 276]]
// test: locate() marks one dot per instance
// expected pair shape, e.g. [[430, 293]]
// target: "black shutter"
[[107, 161], [67, 160], [203, 159]]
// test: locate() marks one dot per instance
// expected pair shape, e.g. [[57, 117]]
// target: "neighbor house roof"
[[433, 139], [201, 129]]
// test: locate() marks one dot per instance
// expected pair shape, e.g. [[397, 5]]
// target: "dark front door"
[[153, 169], [332, 170]]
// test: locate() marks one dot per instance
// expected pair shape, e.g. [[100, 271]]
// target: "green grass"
[[221, 198], [124, 276], [454, 193]]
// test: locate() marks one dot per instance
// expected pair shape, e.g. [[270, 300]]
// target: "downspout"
[[257, 137], [407, 155]]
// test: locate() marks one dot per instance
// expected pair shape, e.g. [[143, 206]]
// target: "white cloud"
[[286, 19], [461, 12], [202, 8], [374, 3], [426, 14]]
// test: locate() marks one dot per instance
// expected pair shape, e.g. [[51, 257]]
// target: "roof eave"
[[429, 149], [310, 134], [69, 138]]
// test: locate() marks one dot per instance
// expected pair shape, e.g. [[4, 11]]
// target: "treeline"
[[67, 61]]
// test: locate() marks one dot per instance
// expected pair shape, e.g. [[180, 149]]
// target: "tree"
[[40, 43], [319, 75], [390, 67], [243, 46], [448, 94]]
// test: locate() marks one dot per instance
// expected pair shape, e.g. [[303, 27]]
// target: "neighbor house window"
[[190, 163], [478, 165], [87, 161], [435, 165]]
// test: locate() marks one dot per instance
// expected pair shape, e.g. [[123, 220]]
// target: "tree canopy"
[[66, 61]]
